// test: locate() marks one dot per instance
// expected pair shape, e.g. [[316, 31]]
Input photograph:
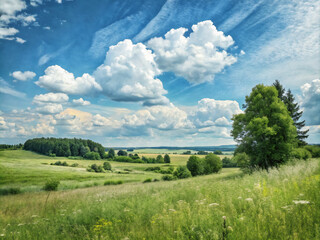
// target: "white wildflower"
[[213, 204], [172, 210], [239, 197], [34, 216], [249, 199], [301, 202]]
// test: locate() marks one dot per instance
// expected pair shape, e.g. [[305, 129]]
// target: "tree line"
[[65, 147]]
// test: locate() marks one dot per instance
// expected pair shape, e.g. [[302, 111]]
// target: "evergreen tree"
[[294, 112]]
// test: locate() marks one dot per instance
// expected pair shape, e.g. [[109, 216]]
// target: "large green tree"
[[265, 131], [294, 111]]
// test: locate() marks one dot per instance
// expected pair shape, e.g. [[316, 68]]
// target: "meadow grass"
[[283, 203]]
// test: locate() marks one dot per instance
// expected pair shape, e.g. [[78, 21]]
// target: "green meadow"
[[283, 203]]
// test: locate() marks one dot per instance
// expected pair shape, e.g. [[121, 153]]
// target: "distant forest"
[[64, 147]]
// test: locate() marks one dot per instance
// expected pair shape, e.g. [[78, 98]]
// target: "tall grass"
[[281, 204]]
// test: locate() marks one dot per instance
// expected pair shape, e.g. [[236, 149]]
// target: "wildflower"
[[126, 210], [20, 224], [242, 218], [239, 197], [230, 229], [213, 204], [34, 216], [172, 210], [2, 235], [301, 202], [224, 217], [301, 194], [249, 199]]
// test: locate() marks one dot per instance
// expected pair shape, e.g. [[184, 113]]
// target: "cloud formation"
[[50, 98], [129, 74], [197, 58], [56, 79], [80, 102], [23, 76], [310, 102]]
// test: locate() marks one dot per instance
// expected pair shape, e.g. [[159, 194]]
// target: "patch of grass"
[[9, 191], [113, 182]]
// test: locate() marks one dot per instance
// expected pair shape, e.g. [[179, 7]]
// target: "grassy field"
[[281, 204], [169, 151]]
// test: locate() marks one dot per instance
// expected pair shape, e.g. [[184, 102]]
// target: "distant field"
[[169, 151]]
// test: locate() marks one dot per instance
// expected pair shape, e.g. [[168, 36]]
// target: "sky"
[[136, 73]]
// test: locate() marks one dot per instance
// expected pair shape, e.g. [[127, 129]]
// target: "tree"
[[265, 131], [217, 152], [122, 153], [294, 112], [167, 158], [212, 164], [160, 159], [195, 165], [111, 153], [182, 172], [106, 166]]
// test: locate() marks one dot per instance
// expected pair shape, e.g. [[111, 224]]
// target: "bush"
[[182, 172], [217, 152], [112, 182], [229, 162], [195, 165], [95, 168], [159, 159], [92, 156], [301, 153], [127, 159], [243, 161], [167, 158], [52, 155], [59, 163], [74, 165], [51, 185], [314, 150], [168, 177], [9, 191], [106, 166], [212, 164], [147, 180], [152, 169]]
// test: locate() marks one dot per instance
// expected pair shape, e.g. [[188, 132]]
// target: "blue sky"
[[151, 73]]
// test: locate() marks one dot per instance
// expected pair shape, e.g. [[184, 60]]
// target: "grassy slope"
[[259, 206]]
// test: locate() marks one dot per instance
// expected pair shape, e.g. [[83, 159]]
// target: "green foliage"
[[182, 172], [9, 191], [153, 169], [202, 153], [265, 130], [63, 147], [51, 185], [169, 178], [59, 163], [167, 158], [160, 159], [111, 153], [111, 182], [148, 180], [74, 165], [212, 164], [92, 156], [106, 166], [11, 147], [122, 153], [229, 163], [243, 162], [95, 168], [187, 152], [195, 165], [301, 153], [314, 150], [217, 152], [127, 159]]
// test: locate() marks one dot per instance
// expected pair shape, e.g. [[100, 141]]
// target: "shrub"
[[301, 153], [127, 159], [95, 168], [156, 180], [217, 152], [152, 169], [212, 164], [168, 177], [243, 161], [112, 182], [9, 191], [92, 156], [195, 165], [159, 159], [229, 162], [51, 185], [147, 180], [74, 165], [182, 172], [59, 163], [106, 166], [52, 155], [167, 158], [314, 150]]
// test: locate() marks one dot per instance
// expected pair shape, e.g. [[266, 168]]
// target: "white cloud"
[[7, 33], [50, 98], [35, 3], [20, 40], [42, 129], [10, 7], [59, 1], [129, 74], [197, 58], [216, 131], [310, 102], [7, 89], [80, 102], [23, 76], [49, 108], [211, 112], [47, 28], [56, 79], [3, 124]]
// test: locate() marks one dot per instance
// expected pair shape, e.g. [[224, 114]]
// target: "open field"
[[169, 151], [281, 204]]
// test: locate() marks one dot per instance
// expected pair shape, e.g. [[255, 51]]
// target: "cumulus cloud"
[[129, 74], [211, 112], [10, 7], [159, 117], [50, 98], [310, 102], [216, 131], [197, 58], [56, 79], [23, 76], [49, 108], [35, 3], [80, 102], [6, 33], [3, 124]]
